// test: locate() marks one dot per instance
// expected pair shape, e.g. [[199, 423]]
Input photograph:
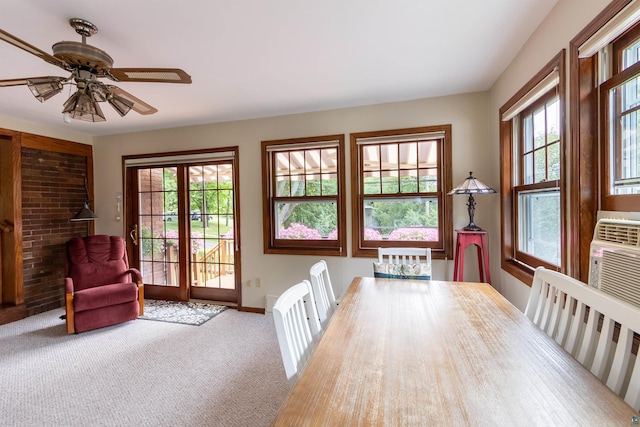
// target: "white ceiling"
[[260, 58]]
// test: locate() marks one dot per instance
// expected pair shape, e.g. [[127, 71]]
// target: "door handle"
[[134, 235]]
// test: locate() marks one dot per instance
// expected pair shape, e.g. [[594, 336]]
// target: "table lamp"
[[471, 186]]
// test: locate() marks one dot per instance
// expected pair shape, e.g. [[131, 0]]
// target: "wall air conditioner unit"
[[615, 259]]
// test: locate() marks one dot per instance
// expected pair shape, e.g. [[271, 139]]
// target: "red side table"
[[466, 238]]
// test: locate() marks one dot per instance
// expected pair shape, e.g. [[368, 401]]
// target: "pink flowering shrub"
[[300, 232], [369, 234], [429, 234], [372, 234]]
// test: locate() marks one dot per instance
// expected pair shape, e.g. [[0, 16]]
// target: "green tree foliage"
[[321, 216]]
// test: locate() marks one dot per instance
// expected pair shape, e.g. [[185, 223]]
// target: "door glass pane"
[[211, 201], [158, 220]]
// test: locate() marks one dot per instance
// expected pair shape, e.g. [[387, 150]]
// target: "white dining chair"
[[404, 255], [403, 263], [297, 326], [322, 291], [558, 305]]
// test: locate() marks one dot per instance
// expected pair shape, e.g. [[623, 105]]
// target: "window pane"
[[408, 181], [409, 155], [329, 184], [539, 128], [528, 168], [371, 157], [311, 161], [297, 185], [539, 225], [428, 154], [631, 55], [313, 185], [428, 180], [390, 182], [389, 156], [282, 164], [283, 187], [630, 95], [528, 133], [553, 118], [554, 161], [540, 164], [306, 220], [401, 219], [624, 141], [329, 160], [628, 155], [371, 182], [296, 162]]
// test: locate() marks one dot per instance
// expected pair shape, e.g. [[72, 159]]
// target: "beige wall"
[[562, 24], [466, 113]]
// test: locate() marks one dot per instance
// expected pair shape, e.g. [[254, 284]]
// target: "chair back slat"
[[404, 255], [558, 304], [589, 338], [620, 360], [632, 397], [297, 326], [565, 319], [322, 291]]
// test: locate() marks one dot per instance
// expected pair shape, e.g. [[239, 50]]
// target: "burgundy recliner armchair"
[[101, 290]]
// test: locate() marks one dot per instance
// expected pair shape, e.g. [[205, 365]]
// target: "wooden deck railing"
[[215, 262]]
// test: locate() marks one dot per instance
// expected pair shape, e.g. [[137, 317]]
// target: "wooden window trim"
[[443, 249], [272, 245], [583, 147], [509, 263]]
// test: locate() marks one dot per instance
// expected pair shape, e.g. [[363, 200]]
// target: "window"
[[399, 178], [532, 176], [304, 197], [593, 167], [620, 95]]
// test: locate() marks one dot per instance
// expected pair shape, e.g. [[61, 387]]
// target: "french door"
[[182, 222]]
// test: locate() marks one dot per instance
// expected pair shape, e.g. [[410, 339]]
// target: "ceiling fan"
[[87, 64]]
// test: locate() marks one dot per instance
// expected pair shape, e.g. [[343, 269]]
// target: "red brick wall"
[[52, 192]]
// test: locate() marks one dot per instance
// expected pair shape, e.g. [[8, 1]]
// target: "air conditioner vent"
[[620, 276], [621, 232]]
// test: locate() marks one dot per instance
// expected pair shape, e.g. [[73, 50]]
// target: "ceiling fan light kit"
[[87, 64], [44, 88]]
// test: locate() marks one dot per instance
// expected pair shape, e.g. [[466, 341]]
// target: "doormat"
[[187, 313]]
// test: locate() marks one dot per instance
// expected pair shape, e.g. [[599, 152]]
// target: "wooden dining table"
[[437, 353]]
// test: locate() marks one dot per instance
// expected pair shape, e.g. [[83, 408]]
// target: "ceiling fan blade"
[[26, 80], [158, 75], [11, 39], [138, 106]]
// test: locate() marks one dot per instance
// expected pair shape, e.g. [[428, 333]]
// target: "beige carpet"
[[227, 372]]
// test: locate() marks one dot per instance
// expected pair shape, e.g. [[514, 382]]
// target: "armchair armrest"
[[68, 285], [68, 304], [135, 274]]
